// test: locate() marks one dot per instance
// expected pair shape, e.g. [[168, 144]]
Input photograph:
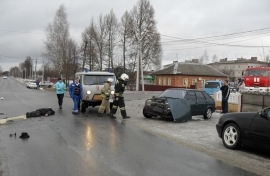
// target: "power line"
[[218, 37], [20, 32], [17, 58]]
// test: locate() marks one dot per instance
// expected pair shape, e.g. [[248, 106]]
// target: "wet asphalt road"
[[65, 144]]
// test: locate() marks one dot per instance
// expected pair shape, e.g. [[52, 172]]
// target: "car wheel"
[[145, 114], [208, 114], [49, 86], [231, 136], [83, 107]]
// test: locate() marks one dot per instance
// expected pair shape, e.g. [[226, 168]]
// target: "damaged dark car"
[[180, 105]]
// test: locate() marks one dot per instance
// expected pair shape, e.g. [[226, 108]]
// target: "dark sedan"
[[180, 104], [245, 128]]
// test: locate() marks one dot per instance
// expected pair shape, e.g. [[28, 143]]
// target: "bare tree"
[[112, 31], [214, 58], [125, 30], [229, 72], [58, 45], [99, 34], [145, 33], [92, 50], [1, 70], [204, 58]]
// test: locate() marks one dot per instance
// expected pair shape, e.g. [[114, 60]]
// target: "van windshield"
[[97, 79], [212, 85]]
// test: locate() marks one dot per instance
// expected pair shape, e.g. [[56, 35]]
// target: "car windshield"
[[212, 85], [96, 79], [173, 93], [257, 73], [33, 82]]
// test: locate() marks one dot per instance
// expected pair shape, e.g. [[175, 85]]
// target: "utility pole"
[[138, 70], [36, 70], [140, 46], [43, 72], [84, 58]]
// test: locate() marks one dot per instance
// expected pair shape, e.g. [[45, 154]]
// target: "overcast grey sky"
[[23, 22]]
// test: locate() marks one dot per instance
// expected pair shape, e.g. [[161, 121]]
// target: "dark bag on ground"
[[40, 112]]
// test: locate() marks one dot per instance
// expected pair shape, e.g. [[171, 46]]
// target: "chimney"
[[254, 58], [195, 60]]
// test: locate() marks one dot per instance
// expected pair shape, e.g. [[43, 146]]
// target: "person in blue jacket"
[[60, 91], [75, 92]]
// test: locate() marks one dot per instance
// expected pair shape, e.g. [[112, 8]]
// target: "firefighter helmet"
[[124, 77]]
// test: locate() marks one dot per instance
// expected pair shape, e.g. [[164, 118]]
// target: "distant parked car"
[[31, 84], [212, 86], [4, 77], [180, 104], [245, 128], [46, 84]]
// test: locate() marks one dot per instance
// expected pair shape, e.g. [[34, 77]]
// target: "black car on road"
[[180, 104], [245, 128]]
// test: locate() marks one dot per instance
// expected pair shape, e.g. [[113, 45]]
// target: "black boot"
[[100, 115], [112, 116], [126, 117]]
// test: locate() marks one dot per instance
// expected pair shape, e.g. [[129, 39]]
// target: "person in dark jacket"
[[75, 92], [40, 112], [37, 83], [225, 90], [120, 85]]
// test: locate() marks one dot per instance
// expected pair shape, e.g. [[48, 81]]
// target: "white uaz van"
[[92, 83]]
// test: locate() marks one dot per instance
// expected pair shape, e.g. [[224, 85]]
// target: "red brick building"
[[185, 74]]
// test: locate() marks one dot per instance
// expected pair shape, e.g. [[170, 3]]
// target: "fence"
[[254, 102], [244, 102], [234, 101]]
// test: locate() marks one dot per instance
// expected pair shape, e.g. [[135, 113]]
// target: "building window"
[[169, 81], [164, 82], [194, 81], [185, 82], [202, 82], [160, 81]]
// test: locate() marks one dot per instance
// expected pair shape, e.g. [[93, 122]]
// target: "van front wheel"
[[83, 107]]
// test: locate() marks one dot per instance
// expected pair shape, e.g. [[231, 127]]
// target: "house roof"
[[189, 69], [239, 61]]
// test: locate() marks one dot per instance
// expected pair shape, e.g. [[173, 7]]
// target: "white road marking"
[[3, 121]]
